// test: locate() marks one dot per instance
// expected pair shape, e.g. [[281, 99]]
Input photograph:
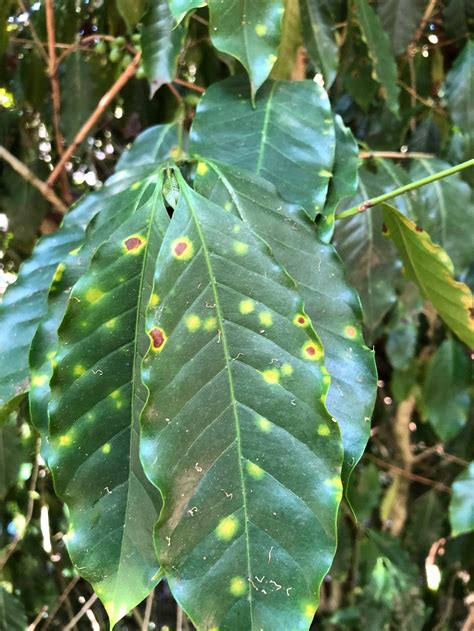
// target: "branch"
[[61, 599], [395, 155], [34, 34], [439, 486], [104, 102], [53, 76], [81, 612], [424, 20], [30, 177]]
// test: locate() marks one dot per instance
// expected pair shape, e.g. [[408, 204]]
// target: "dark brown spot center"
[[301, 320], [180, 247], [157, 338], [132, 243], [311, 351]]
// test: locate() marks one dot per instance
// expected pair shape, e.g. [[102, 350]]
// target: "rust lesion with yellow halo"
[[301, 320], [157, 339], [133, 244], [312, 351], [182, 249]]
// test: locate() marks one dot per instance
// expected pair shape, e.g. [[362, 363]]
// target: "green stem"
[[404, 189]]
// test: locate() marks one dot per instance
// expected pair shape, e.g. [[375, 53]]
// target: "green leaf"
[[425, 523], [461, 507], [428, 265], [446, 389], [290, 42], [179, 8], [459, 88], [343, 183], [364, 491], [288, 137], [11, 456], [319, 32], [161, 41], [131, 11], [330, 302], [25, 302], [378, 44], [446, 209], [250, 32], [400, 20], [234, 413], [97, 397], [12, 612], [155, 144]]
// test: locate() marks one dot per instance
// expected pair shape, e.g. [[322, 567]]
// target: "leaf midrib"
[[228, 359]]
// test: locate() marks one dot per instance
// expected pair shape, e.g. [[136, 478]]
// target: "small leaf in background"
[[401, 343], [378, 44], [400, 19], [12, 454], [12, 612], [343, 183], [445, 211], [132, 11], [161, 42], [236, 392], [289, 44], [288, 138], [97, 397], [459, 18], [250, 32], [425, 523], [461, 508], [364, 491], [319, 32], [446, 389], [428, 265]]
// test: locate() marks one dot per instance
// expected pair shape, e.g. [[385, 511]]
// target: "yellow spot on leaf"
[[110, 324], [74, 252], [176, 153], [309, 610], [247, 306], [115, 394], [301, 320], [58, 274], [350, 331], [312, 351], [182, 249], [238, 586], [241, 248], [202, 168], [236, 228], [210, 324], [227, 528], [228, 206], [51, 355], [323, 430], [287, 370], [271, 375], [265, 318], [193, 322], [325, 173], [78, 370], [65, 440], [106, 448], [154, 299], [93, 294], [271, 59], [39, 380], [261, 30], [255, 471], [264, 424]]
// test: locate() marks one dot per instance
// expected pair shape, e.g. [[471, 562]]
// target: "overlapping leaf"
[[431, 269], [235, 433], [250, 32], [179, 8], [288, 138], [400, 20], [330, 302], [319, 31], [97, 396], [461, 508], [290, 42]]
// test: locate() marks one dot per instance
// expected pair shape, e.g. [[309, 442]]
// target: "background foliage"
[[399, 73]]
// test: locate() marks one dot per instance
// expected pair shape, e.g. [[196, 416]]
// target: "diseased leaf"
[[343, 183], [97, 397], [378, 44], [400, 19], [161, 42], [25, 301], [332, 305], [235, 406], [250, 32], [461, 508], [446, 390], [12, 612], [131, 11], [431, 269], [319, 32], [288, 138]]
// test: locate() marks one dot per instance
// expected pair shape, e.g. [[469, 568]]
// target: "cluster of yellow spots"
[[202, 168], [182, 249], [265, 318], [58, 274], [192, 322], [312, 351], [238, 586], [39, 380], [261, 30], [336, 484], [78, 370], [154, 300], [301, 320], [240, 248], [93, 294], [255, 471], [111, 324], [326, 376], [263, 424], [247, 306], [323, 430], [106, 448], [227, 528], [116, 395]]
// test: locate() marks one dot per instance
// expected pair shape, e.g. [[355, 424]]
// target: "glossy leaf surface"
[[288, 138], [461, 508], [250, 32], [330, 302], [97, 396], [446, 389], [428, 265], [12, 612], [319, 27], [246, 535], [378, 44], [179, 8]]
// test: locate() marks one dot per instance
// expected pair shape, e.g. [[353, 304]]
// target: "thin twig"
[[10, 548], [191, 86], [417, 97], [38, 618], [424, 20], [34, 34], [395, 154], [104, 102], [439, 486], [45, 190], [69, 587], [87, 605], [179, 618], [148, 607]]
